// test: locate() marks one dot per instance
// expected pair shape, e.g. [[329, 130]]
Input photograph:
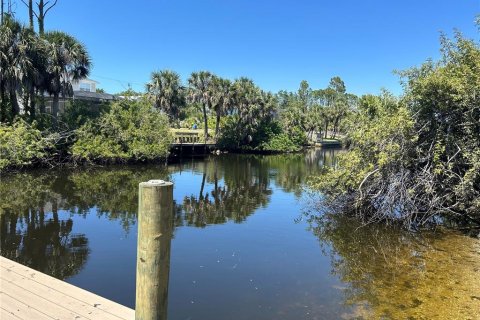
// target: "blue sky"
[[275, 43]]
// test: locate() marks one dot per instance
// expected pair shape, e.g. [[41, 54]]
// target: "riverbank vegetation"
[[38, 70], [129, 131], [415, 160], [412, 159]]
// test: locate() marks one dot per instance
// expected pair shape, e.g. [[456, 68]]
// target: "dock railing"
[[187, 137]]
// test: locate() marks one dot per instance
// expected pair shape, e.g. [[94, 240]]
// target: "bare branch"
[[48, 9]]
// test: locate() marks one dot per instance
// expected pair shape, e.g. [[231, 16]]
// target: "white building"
[[86, 85], [84, 90]]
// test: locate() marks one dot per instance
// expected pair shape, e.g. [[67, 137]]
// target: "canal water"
[[247, 243]]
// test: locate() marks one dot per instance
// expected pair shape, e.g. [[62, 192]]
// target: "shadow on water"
[[392, 274]]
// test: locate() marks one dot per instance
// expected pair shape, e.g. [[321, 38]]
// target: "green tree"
[[223, 98], [131, 130], [249, 108], [68, 60], [15, 64], [413, 160], [200, 92], [23, 145], [166, 92]]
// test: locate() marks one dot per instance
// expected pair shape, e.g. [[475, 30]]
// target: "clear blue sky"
[[275, 43]]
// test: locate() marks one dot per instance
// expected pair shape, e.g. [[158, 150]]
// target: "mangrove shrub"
[[131, 130], [416, 159], [21, 144]]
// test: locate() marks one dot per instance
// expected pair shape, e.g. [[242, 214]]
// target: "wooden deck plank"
[[21, 310], [5, 315], [70, 297], [52, 295], [29, 301]]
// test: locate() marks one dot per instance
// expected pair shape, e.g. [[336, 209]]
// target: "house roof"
[[87, 95]]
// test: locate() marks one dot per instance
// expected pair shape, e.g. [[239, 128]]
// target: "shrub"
[[22, 144], [131, 130], [417, 159], [279, 143], [267, 136], [78, 112]]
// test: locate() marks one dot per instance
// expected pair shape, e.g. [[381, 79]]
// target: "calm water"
[[246, 243]]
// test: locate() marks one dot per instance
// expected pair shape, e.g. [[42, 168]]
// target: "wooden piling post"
[[155, 227]]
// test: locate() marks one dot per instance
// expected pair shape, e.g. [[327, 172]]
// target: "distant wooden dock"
[[29, 294], [189, 141], [329, 143]]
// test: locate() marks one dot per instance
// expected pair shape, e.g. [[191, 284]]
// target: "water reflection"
[[232, 188], [46, 243], [56, 220], [393, 274]]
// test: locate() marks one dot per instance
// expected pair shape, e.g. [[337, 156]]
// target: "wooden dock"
[[29, 294]]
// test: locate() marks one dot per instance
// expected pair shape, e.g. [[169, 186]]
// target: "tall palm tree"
[[200, 92], [15, 63], [68, 60], [247, 101], [222, 99], [35, 75], [166, 91]]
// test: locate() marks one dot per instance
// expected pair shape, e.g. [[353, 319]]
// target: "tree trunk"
[[205, 119], [217, 126], [42, 103], [30, 13], [41, 30], [326, 129], [55, 105], [3, 103], [41, 18], [14, 102], [335, 127], [32, 103]]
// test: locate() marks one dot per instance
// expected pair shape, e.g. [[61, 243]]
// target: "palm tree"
[[222, 99], [35, 75], [68, 60], [248, 103], [166, 91], [200, 92], [15, 63]]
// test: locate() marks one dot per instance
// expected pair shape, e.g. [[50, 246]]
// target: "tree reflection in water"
[[393, 274], [232, 188], [45, 244]]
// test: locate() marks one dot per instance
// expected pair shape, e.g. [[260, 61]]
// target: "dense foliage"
[[129, 131], [33, 66], [22, 145], [166, 92], [237, 115], [79, 112], [418, 158]]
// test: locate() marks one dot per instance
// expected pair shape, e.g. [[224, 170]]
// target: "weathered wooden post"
[[155, 226]]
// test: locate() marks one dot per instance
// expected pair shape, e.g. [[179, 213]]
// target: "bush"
[[22, 144], [268, 136], [131, 130], [77, 113], [417, 159], [279, 143]]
